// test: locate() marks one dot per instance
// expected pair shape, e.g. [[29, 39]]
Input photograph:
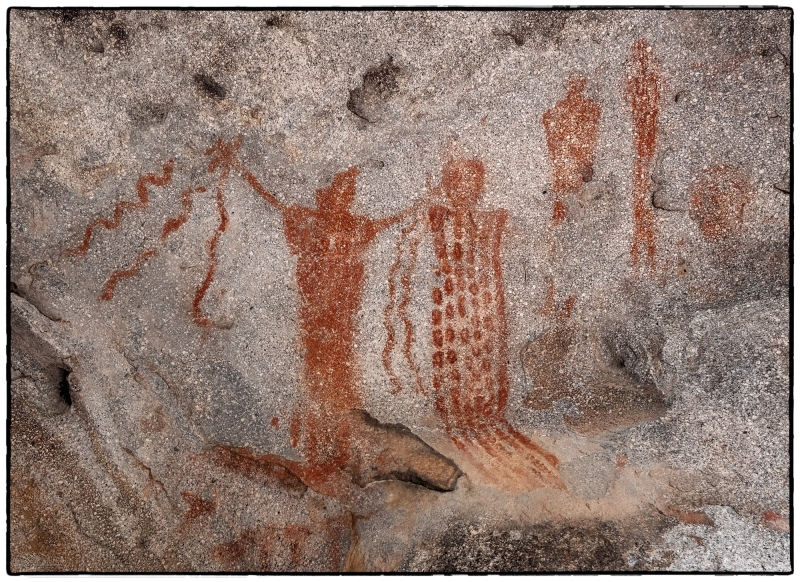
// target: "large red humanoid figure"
[[468, 349]]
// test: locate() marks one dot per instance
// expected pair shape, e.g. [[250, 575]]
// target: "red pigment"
[[197, 506], [170, 226], [223, 158], [108, 289], [469, 351], [643, 92], [330, 243], [717, 198], [120, 208], [571, 127]]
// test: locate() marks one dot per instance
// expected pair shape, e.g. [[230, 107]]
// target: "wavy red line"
[[173, 224], [144, 201], [387, 317], [197, 311], [108, 290], [405, 281]]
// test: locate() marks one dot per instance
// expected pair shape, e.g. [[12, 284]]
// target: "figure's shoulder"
[[297, 221], [298, 214], [498, 216], [437, 214]]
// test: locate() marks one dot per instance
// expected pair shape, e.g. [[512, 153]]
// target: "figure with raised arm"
[[329, 426]]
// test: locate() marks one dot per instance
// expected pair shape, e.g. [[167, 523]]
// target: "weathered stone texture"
[[416, 290]]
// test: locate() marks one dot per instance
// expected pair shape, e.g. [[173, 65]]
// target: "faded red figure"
[[341, 444], [330, 243], [644, 93], [469, 352], [572, 128]]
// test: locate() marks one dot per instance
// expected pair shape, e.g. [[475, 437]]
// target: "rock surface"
[[415, 291]]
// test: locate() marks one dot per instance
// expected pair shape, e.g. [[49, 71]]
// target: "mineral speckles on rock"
[[420, 291]]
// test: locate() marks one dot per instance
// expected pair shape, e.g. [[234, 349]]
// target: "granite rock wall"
[[416, 290]]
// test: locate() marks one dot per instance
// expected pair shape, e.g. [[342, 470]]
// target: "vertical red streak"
[[500, 299], [549, 301], [404, 316], [173, 224], [386, 355], [643, 92], [108, 289], [559, 212], [119, 209], [566, 311], [294, 431], [402, 311], [211, 246]]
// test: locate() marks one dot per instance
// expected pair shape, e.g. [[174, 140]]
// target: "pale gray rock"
[[550, 333]]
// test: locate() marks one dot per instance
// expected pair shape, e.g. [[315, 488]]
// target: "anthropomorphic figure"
[[468, 342], [571, 127], [329, 426]]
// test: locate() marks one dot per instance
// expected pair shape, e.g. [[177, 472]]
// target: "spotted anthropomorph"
[[468, 344]]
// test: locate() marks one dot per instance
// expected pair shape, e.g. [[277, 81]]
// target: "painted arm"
[[383, 223], [260, 190]]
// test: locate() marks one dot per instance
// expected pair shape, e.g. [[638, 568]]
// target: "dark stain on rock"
[[96, 46], [209, 87], [63, 386], [586, 546], [540, 28], [378, 86], [717, 198], [119, 35], [613, 395], [148, 113], [73, 16], [38, 360], [276, 20]]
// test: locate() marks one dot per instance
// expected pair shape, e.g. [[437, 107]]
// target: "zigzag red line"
[[144, 200]]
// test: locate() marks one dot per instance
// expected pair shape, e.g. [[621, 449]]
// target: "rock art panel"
[[320, 291], [468, 350]]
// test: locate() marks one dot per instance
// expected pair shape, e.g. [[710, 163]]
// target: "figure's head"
[[462, 181], [339, 195], [576, 85]]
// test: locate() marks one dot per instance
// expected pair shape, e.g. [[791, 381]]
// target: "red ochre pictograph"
[[330, 243], [717, 197], [469, 353], [271, 548], [643, 91], [571, 127], [470, 380]]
